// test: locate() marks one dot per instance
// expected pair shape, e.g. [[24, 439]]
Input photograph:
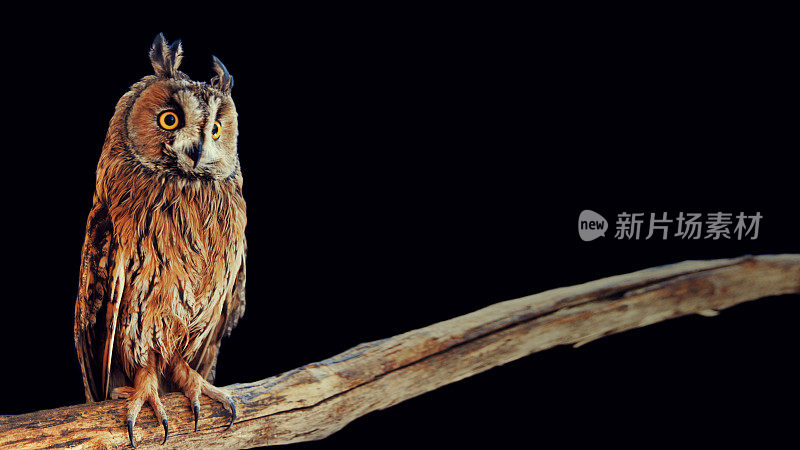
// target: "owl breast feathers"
[[163, 265]]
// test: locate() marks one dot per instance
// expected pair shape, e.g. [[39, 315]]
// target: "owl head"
[[175, 127]]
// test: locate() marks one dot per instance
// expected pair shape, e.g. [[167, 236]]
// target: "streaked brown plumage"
[[163, 264]]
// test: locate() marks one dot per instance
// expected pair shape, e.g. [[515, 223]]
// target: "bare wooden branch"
[[320, 398]]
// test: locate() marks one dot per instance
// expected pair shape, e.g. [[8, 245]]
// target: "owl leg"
[[193, 384], [145, 388]]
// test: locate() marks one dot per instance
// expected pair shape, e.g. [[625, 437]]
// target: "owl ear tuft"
[[165, 57], [223, 80]]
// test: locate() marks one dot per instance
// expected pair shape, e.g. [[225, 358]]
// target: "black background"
[[406, 167]]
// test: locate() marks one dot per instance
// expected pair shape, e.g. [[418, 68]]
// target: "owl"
[[163, 263]]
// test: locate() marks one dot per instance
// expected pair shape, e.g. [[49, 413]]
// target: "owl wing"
[[233, 309], [95, 312]]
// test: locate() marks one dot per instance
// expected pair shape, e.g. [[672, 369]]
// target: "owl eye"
[[168, 120], [217, 130]]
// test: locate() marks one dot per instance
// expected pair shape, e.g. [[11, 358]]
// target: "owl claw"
[[133, 411], [227, 401], [145, 390], [222, 396], [166, 429], [194, 385], [130, 432], [233, 413], [196, 409]]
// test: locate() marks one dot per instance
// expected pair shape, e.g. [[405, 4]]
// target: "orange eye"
[[216, 131], [168, 120]]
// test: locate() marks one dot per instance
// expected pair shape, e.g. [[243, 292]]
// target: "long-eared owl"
[[163, 264]]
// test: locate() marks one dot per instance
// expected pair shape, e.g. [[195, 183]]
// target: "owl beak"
[[195, 152]]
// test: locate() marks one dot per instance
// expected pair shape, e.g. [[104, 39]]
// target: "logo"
[[686, 226], [591, 225]]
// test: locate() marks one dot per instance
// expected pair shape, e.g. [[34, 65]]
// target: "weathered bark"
[[320, 398]]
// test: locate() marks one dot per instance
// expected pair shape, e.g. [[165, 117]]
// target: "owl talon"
[[131, 422], [130, 432], [222, 396], [196, 409], [233, 413], [193, 385], [145, 390], [166, 429]]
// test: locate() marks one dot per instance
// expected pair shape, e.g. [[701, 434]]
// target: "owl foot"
[[193, 384], [121, 392], [145, 390]]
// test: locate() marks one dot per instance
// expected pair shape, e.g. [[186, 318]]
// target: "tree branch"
[[318, 399]]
